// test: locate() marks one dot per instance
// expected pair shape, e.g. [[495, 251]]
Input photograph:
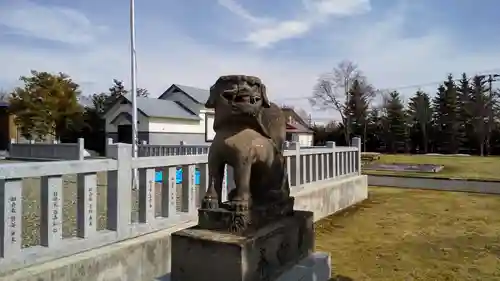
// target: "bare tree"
[[331, 91]]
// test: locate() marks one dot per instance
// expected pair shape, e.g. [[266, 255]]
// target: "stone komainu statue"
[[250, 134]]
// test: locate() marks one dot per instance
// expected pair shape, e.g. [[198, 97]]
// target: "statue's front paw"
[[210, 203], [240, 203]]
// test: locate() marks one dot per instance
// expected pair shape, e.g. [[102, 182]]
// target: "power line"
[[401, 87]]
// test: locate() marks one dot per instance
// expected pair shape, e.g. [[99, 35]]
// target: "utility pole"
[[491, 78], [133, 74]]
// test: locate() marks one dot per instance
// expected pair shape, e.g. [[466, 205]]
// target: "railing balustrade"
[[107, 210]]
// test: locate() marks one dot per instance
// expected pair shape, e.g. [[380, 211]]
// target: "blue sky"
[[288, 43]]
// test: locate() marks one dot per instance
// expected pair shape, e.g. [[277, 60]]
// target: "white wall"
[[119, 108], [305, 139], [171, 125]]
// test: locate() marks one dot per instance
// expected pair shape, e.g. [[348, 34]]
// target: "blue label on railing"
[[178, 176]]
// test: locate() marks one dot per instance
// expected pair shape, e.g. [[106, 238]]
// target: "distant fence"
[[47, 151], [76, 151], [442, 184], [147, 150]]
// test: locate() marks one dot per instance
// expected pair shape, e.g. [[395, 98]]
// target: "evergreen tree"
[[466, 130], [477, 108], [420, 113], [446, 116], [103, 101], [374, 138], [357, 110], [394, 123]]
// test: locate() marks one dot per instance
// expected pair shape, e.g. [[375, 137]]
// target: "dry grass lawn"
[[467, 167], [400, 234]]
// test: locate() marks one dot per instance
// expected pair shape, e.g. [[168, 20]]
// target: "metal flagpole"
[[133, 91]]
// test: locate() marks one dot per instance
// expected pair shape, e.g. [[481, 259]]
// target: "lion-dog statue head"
[[243, 99]]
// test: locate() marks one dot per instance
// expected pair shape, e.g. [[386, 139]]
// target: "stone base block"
[[226, 218], [316, 267], [206, 255]]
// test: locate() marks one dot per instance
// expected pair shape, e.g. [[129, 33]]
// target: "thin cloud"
[[265, 33], [60, 24], [241, 12]]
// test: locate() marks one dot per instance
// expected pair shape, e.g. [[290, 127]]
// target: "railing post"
[[330, 160], [51, 211], [119, 189], [86, 205], [317, 166], [295, 164], [303, 165], [224, 191], [81, 149], [109, 141], [356, 142], [204, 181], [188, 189], [322, 170], [169, 192], [146, 195], [11, 146], [10, 217]]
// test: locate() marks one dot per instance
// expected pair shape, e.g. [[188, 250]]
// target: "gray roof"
[[152, 107], [200, 95], [126, 115]]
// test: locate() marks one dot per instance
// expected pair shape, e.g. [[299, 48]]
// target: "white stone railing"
[[101, 221]]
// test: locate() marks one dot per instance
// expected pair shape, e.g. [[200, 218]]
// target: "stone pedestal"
[[226, 219], [264, 255]]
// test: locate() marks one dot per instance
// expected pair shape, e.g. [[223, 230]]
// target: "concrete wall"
[[47, 151], [489, 187], [147, 258]]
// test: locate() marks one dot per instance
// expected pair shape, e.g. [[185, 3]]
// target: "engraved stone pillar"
[[86, 203], [169, 192], [10, 217], [51, 211], [147, 195]]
